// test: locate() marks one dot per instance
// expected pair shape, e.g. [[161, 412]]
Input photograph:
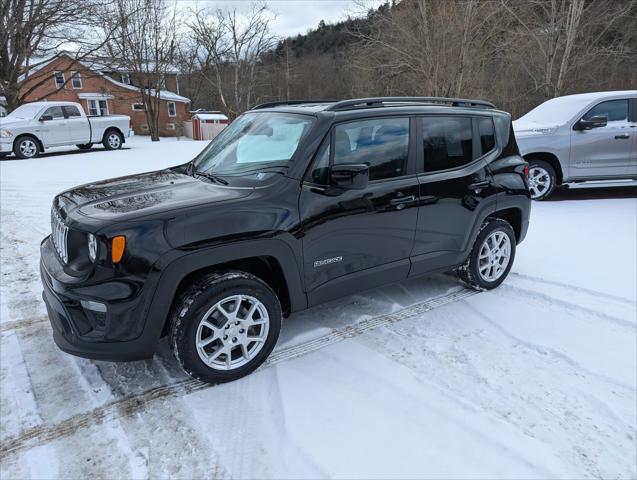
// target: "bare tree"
[[31, 31], [228, 47], [554, 38], [144, 44]]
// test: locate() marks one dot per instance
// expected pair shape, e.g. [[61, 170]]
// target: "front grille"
[[59, 233]]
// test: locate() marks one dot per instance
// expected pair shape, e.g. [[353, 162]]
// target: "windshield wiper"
[[210, 176]]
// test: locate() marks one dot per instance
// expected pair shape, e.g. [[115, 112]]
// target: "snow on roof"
[[560, 110], [210, 116], [163, 94]]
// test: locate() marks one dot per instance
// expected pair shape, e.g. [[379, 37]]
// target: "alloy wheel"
[[114, 141], [232, 332], [28, 148], [494, 256], [539, 181]]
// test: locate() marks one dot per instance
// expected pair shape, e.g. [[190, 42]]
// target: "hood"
[[8, 122], [135, 196], [527, 127]]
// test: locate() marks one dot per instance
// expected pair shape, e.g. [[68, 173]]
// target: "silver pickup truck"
[[579, 138], [33, 127]]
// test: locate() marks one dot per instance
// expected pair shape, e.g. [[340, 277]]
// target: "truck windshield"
[[254, 142], [25, 111]]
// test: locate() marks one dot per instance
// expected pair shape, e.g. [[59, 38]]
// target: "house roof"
[[210, 116], [163, 94]]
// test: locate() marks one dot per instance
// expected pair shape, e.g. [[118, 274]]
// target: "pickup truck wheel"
[[26, 147], [224, 326], [86, 146], [112, 140], [542, 179], [492, 256]]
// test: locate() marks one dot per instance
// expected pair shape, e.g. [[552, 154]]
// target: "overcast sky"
[[296, 16]]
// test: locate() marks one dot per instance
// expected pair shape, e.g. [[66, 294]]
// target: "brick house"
[[103, 90]]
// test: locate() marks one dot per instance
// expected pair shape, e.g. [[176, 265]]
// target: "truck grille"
[[59, 232]]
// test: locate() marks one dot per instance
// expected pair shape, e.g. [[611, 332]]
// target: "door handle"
[[402, 200], [480, 184], [623, 136]]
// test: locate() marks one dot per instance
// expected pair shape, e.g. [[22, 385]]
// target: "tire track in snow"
[[588, 291], [133, 404]]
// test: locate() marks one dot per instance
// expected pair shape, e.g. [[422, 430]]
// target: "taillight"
[[526, 171]]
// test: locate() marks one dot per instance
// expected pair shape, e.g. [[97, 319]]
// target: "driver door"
[[603, 152], [54, 131], [357, 239]]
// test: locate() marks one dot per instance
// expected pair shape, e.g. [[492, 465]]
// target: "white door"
[[53, 127], [79, 129]]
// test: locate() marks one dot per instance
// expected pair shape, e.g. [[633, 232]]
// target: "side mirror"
[[593, 122], [349, 176], [46, 118]]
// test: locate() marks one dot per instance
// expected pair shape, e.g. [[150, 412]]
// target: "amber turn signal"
[[118, 244]]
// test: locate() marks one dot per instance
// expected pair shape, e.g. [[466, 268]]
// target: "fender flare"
[[173, 267]]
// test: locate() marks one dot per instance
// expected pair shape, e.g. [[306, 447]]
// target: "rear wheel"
[[113, 140], [224, 326], [85, 146], [492, 256], [542, 179], [26, 147]]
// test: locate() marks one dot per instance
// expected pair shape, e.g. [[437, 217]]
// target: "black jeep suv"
[[292, 205]]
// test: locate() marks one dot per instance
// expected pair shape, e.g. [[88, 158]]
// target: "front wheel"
[[113, 140], [26, 147], [492, 256], [224, 326], [542, 179]]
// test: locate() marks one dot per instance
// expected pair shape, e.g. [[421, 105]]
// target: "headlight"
[[92, 247], [4, 133]]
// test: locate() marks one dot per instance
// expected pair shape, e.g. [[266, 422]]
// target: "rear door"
[[358, 239], [456, 188], [79, 129], [604, 152], [54, 131]]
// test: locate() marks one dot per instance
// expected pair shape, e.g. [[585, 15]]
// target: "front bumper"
[[6, 146], [116, 335]]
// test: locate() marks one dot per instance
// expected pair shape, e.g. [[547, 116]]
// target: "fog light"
[[93, 306]]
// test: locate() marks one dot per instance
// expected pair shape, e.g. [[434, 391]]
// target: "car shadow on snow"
[[593, 193], [60, 153]]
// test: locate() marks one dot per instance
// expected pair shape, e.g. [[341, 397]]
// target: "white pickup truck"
[[33, 127]]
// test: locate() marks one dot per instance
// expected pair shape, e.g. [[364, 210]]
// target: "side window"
[[613, 110], [487, 134], [322, 165], [70, 111], [447, 142], [382, 144], [55, 112]]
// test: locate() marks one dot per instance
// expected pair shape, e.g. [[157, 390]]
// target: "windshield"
[[25, 111], [254, 142]]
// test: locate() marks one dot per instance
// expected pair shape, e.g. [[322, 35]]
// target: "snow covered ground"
[[535, 379]]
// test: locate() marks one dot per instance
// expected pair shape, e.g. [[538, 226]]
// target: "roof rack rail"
[[290, 102], [380, 101]]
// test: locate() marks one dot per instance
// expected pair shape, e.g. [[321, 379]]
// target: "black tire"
[[86, 146], [26, 146], [112, 140], [543, 171], [469, 272], [201, 297]]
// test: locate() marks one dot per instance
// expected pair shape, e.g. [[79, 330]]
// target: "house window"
[[172, 109], [126, 78], [138, 107], [59, 80], [97, 107], [162, 82], [76, 80]]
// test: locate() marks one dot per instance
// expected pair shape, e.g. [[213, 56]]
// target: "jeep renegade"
[[292, 205]]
